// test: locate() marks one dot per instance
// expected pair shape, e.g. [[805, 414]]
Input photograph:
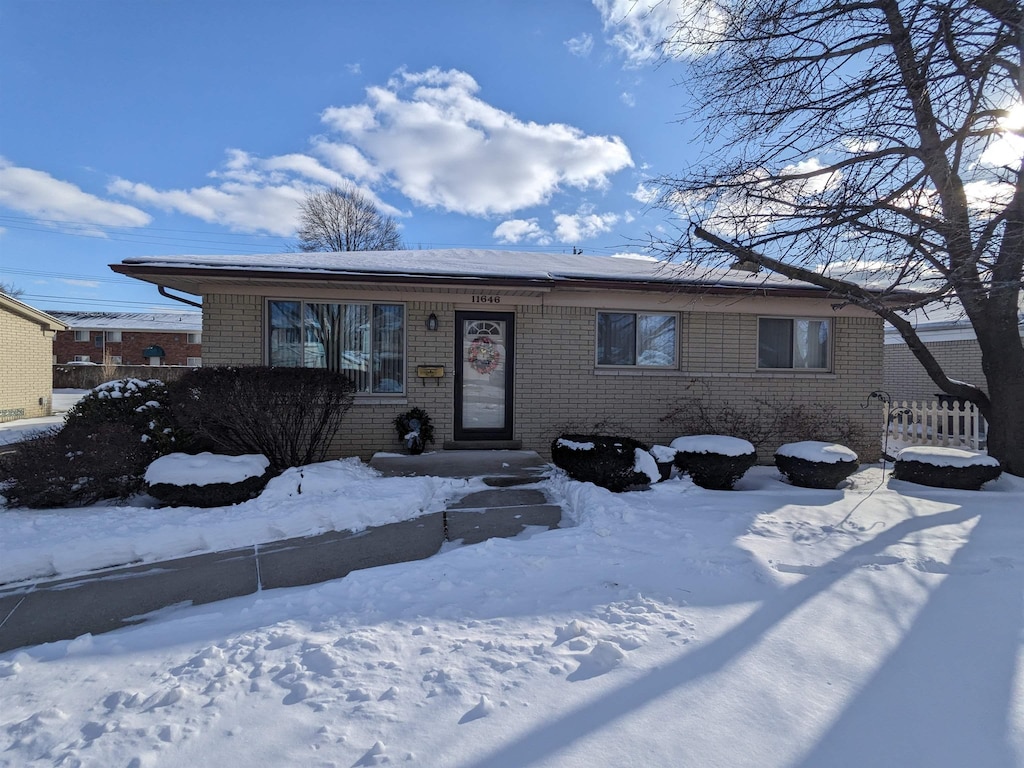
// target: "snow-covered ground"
[[22, 429], [878, 625]]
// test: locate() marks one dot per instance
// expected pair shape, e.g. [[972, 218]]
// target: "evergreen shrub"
[[714, 469], [73, 467], [814, 474], [211, 494], [969, 478], [603, 460]]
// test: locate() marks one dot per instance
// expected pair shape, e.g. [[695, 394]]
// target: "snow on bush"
[[205, 468], [816, 450], [645, 464], [714, 461], [946, 457], [815, 464], [606, 460], [720, 444]]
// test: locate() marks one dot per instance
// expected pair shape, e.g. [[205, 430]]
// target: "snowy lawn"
[[22, 429], [877, 625]]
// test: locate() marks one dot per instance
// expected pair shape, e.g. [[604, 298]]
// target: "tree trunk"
[[1002, 359]]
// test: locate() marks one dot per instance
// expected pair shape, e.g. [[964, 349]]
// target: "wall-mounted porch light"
[[432, 322]]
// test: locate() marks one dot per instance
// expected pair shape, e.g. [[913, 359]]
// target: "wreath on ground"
[[484, 354]]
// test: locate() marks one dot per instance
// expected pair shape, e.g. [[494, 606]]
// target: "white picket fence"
[[957, 425]]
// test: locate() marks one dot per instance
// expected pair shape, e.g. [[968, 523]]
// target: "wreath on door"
[[484, 354]]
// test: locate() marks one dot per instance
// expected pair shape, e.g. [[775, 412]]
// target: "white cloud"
[[628, 99], [431, 137], [645, 193], [427, 135], [859, 146], [79, 283], [581, 45], [577, 227], [521, 230], [642, 30], [242, 206], [40, 195], [253, 194]]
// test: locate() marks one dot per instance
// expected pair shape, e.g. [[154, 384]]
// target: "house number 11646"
[[487, 299]]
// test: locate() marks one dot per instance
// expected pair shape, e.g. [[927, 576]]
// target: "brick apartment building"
[[130, 338]]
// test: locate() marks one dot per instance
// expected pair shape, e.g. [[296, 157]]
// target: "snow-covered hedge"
[[714, 461], [945, 467], [615, 463], [206, 479], [815, 464]]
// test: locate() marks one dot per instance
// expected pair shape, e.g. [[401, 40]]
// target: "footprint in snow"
[[482, 709], [603, 658]]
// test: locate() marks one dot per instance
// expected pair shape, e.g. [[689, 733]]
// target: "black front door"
[[484, 354]]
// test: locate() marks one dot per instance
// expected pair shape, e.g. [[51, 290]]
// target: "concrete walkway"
[[94, 603]]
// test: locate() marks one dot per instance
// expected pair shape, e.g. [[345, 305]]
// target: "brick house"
[[507, 349], [130, 338], [26, 351], [954, 346]]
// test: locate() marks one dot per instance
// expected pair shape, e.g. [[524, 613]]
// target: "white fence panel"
[[956, 425]]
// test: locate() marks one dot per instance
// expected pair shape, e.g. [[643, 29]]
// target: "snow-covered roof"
[[459, 264], [133, 321]]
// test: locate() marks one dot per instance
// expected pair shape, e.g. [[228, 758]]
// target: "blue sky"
[[142, 128]]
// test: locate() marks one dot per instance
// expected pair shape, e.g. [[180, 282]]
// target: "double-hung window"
[[641, 339], [82, 335], [365, 341], [794, 343]]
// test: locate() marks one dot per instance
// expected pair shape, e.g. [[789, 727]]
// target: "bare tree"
[[869, 139], [11, 290], [338, 219]]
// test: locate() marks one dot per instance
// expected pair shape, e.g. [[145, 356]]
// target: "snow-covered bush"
[[608, 461], [714, 461], [140, 404], [108, 439], [290, 415], [945, 467], [815, 464], [207, 480], [75, 467]]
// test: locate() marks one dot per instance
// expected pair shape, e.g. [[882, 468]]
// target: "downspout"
[[163, 292]]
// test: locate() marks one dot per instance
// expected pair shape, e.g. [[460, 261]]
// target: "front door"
[[484, 346]]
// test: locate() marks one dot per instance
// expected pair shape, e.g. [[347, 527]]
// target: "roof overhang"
[[37, 316], [203, 280]]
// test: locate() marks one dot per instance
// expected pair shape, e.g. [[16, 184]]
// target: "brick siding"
[[129, 349], [26, 390], [905, 377], [557, 385]]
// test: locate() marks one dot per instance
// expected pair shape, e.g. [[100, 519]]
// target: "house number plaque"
[[486, 298]]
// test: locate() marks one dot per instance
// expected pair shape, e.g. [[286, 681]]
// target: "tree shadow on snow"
[[964, 621]]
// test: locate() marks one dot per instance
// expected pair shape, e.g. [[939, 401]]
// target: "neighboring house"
[[130, 338], [26, 353], [508, 349], [954, 346]]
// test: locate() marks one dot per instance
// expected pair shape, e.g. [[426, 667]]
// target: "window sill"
[[380, 400]]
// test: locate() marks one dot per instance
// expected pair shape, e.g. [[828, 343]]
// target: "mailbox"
[[430, 371]]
